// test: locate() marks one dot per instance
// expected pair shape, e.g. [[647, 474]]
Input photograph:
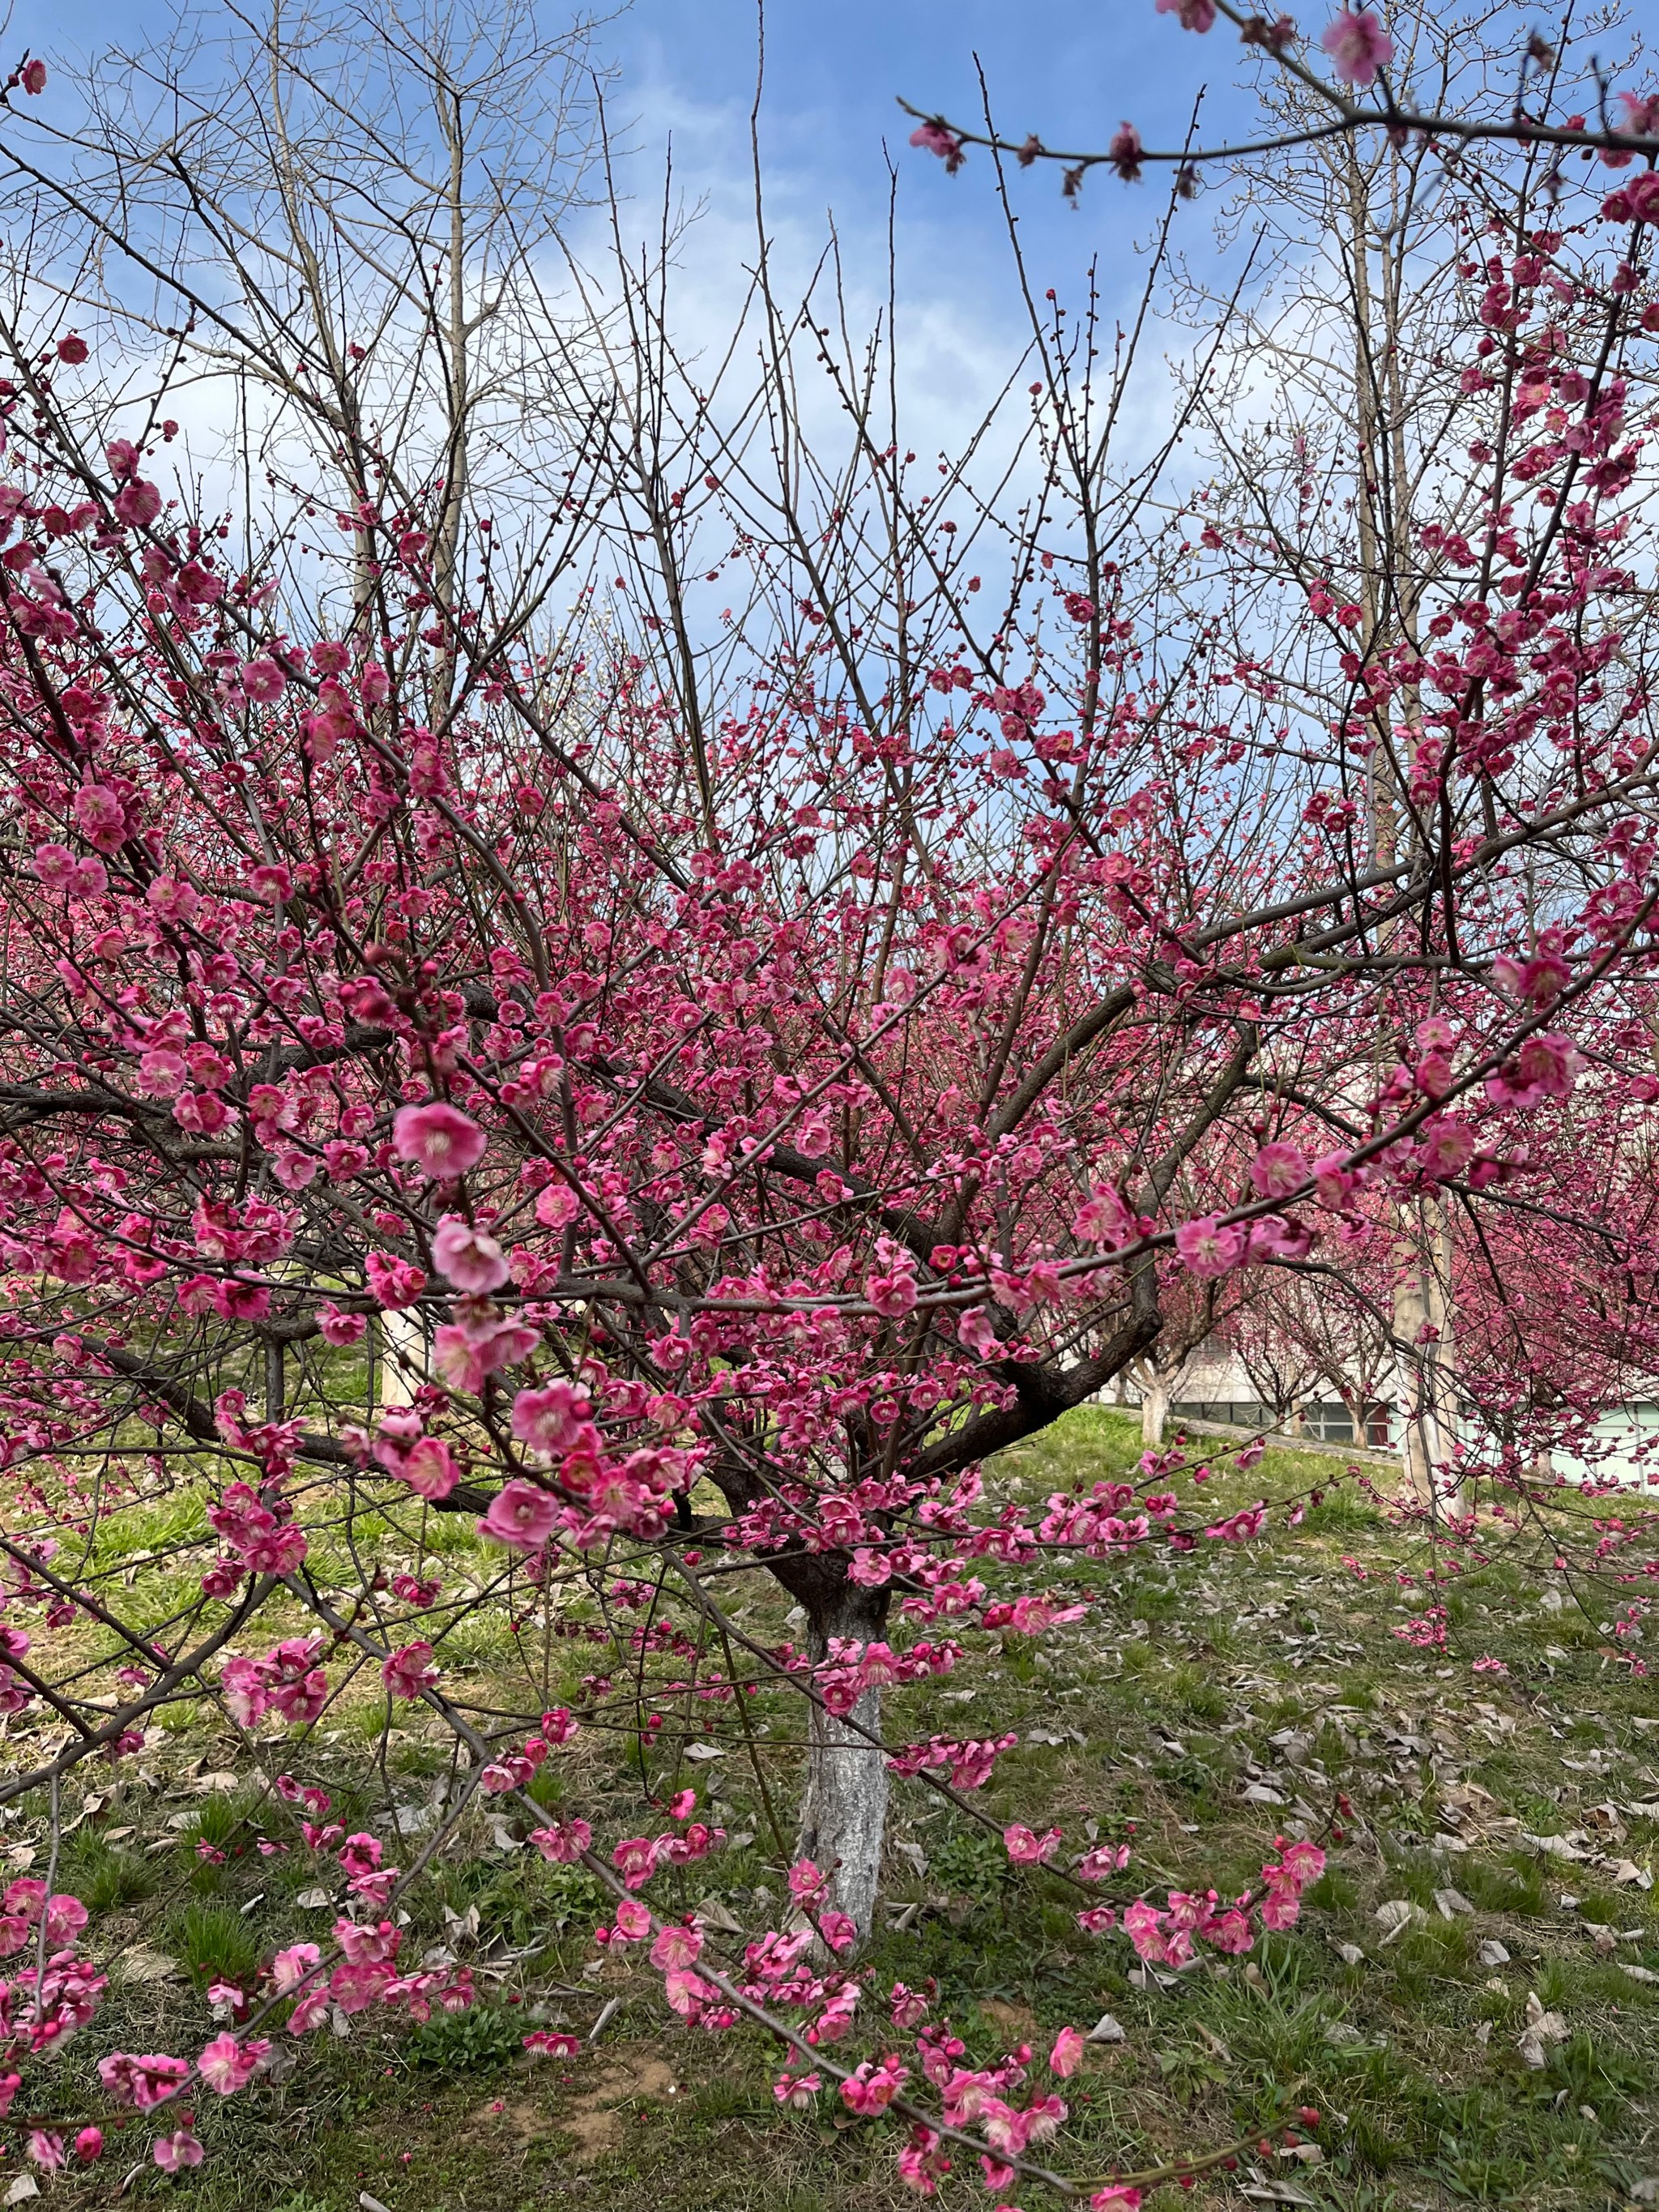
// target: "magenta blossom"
[[262, 679], [1194, 14], [1545, 1066], [1277, 1170], [408, 1672], [934, 138]]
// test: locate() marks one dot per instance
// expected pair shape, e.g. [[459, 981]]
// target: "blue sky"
[[834, 67], [833, 70], [830, 121]]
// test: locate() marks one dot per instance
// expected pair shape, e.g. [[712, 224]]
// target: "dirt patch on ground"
[[1018, 2017], [593, 2115]]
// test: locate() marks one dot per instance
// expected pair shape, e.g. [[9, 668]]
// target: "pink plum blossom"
[[408, 1672], [173, 2152], [1208, 1248], [1357, 44], [1277, 1170], [520, 1514], [438, 1138], [474, 1262], [934, 138]]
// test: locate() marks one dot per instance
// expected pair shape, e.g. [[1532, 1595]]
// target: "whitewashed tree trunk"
[[403, 1362], [843, 1824], [1423, 1320], [1154, 1408]]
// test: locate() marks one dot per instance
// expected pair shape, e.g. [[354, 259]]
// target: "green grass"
[[1206, 1704]]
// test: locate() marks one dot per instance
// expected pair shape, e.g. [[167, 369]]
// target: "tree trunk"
[[1423, 1321], [843, 1821], [402, 1364], [1154, 1409]]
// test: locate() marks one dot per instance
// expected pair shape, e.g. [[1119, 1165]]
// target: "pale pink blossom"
[[871, 2088], [633, 1920], [226, 2065], [1357, 44], [175, 2152], [473, 1261], [1209, 1248], [481, 1343], [1143, 1924], [1124, 152], [1538, 980], [99, 817], [521, 1515], [1025, 1849], [553, 1418], [429, 1469], [65, 1918], [934, 138], [1277, 1170], [564, 1841], [290, 1968], [978, 1333], [339, 1329], [545, 2042], [797, 2091], [1445, 1149], [892, 1289], [556, 1205], [677, 1946], [1067, 2054], [1103, 1218], [438, 1138], [395, 1283]]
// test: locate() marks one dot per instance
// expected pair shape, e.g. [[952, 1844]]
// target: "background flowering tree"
[[682, 1088]]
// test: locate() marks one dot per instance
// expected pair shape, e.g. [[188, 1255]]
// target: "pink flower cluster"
[[851, 1668], [969, 1763], [261, 1531], [1165, 1936], [287, 1680]]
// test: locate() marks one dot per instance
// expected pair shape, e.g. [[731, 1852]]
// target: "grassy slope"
[[1270, 1668]]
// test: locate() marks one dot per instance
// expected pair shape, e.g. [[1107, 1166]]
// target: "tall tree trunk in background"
[[1423, 1327], [1423, 1250]]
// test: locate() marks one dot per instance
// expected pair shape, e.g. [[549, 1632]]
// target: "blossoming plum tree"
[[684, 1089]]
